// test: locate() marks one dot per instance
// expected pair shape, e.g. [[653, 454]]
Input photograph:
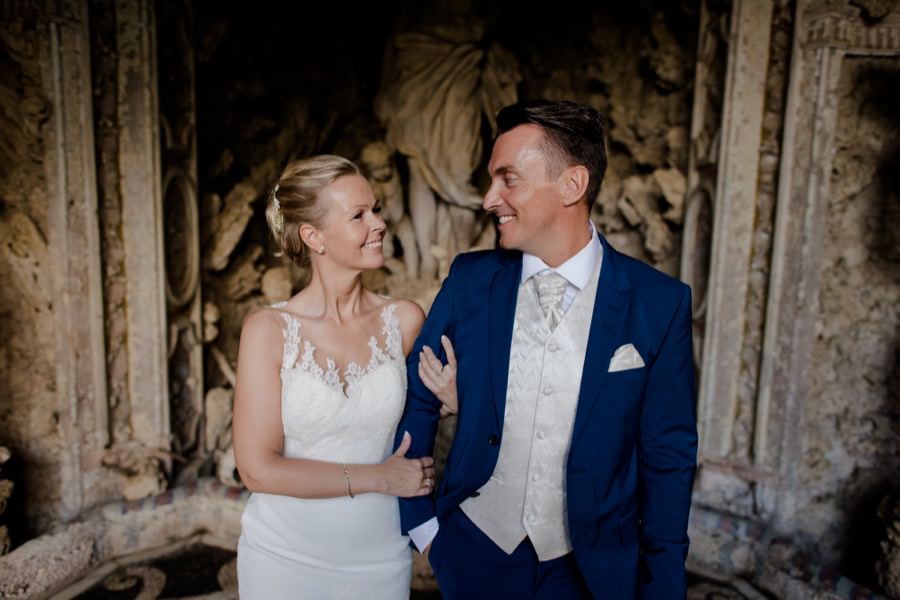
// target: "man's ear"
[[311, 237], [575, 182]]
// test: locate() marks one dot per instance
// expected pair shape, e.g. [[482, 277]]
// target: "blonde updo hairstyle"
[[294, 201]]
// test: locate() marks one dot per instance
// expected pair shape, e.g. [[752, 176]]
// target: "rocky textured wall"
[[851, 436], [635, 65], [28, 407]]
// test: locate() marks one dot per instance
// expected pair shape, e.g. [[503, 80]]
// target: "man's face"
[[521, 196]]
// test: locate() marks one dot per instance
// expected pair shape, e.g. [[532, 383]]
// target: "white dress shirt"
[[577, 270]]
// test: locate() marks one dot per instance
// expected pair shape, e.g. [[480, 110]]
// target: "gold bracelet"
[[347, 478]]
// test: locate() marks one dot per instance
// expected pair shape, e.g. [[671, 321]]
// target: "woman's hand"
[[406, 477], [440, 379]]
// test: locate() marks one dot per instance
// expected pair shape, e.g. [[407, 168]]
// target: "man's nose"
[[491, 198]]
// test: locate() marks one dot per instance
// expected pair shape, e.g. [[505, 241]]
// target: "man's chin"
[[508, 242]]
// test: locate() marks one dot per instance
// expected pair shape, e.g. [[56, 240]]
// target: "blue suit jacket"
[[632, 455]]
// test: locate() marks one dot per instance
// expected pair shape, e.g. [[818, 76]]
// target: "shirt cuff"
[[423, 534]]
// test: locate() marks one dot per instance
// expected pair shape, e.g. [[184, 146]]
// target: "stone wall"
[[851, 437], [29, 412]]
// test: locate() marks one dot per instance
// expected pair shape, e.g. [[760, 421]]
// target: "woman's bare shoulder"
[[263, 323], [409, 310]]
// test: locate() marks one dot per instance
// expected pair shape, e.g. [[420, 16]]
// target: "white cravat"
[[550, 288]]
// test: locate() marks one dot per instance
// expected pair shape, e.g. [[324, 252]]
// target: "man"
[[571, 470]]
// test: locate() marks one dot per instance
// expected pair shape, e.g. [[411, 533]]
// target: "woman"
[[321, 384]]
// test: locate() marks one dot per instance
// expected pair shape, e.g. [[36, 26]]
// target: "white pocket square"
[[626, 357]]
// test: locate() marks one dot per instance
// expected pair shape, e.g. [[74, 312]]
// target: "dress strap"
[[393, 340], [291, 337]]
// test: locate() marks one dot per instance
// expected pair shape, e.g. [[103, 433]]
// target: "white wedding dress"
[[336, 547]]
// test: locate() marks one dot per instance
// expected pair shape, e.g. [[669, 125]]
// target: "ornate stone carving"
[[837, 25], [438, 84], [181, 232]]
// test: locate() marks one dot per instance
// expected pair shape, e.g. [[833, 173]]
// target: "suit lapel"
[[504, 292], [610, 307]]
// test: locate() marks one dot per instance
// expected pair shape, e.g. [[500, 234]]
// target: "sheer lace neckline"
[[305, 362]]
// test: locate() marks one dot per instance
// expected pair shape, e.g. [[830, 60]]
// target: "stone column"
[[73, 246], [55, 372], [725, 417], [142, 222]]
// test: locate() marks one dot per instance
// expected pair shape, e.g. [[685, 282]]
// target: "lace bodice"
[[353, 420]]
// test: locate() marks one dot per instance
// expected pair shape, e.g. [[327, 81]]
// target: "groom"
[[571, 470]]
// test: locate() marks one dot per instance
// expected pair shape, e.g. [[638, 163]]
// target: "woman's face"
[[353, 228]]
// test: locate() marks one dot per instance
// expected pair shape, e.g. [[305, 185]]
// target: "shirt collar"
[[577, 270]]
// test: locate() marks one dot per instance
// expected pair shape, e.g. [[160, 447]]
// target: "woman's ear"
[[575, 182], [311, 236]]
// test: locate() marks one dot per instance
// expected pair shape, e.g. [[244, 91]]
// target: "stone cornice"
[[844, 28]]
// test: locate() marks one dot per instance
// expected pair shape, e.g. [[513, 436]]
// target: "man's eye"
[[358, 215]]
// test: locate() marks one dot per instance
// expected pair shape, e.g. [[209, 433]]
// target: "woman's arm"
[[258, 434]]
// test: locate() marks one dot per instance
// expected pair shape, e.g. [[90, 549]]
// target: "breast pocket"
[[637, 375]]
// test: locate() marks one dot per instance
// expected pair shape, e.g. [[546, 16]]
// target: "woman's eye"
[[377, 209], [358, 215]]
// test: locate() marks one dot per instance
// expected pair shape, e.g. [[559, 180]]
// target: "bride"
[[321, 384]]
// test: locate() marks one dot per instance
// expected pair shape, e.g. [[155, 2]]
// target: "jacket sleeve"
[[422, 412], [667, 455]]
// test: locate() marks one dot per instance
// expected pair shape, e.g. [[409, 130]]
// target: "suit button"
[[553, 347], [548, 390], [474, 494], [492, 440]]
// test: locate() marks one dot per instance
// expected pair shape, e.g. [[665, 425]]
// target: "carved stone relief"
[[181, 222], [438, 85]]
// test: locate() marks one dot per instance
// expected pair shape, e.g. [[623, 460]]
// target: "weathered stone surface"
[[277, 284], [673, 184], [229, 225], [888, 565], [875, 9], [218, 418], [40, 565], [140, 467], [851, 447], [243, 277], [211, 316]]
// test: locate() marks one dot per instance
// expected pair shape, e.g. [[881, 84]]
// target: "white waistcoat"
[[526, 495]]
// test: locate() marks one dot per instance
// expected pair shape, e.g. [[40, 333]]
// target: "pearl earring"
[[322, 250]]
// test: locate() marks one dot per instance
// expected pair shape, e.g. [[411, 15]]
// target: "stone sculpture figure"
[[377, 160], [438, 84]]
